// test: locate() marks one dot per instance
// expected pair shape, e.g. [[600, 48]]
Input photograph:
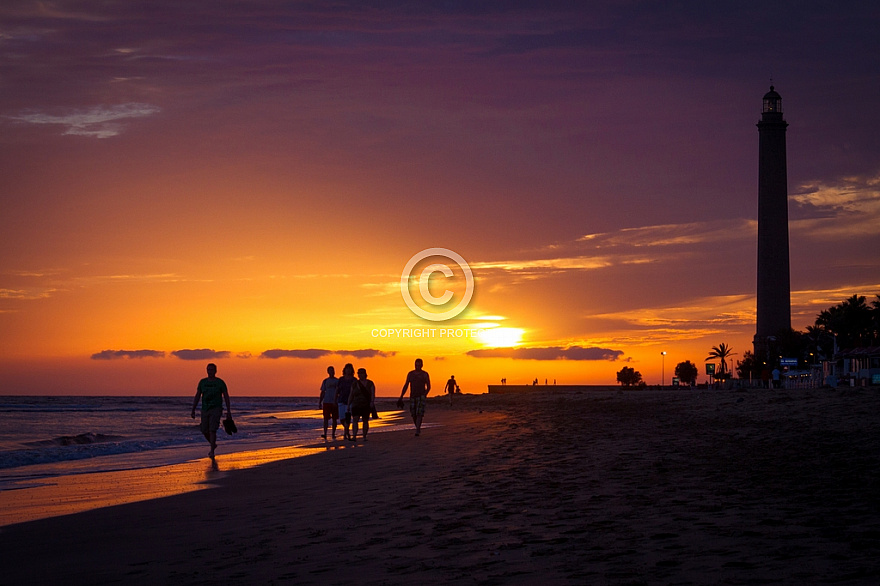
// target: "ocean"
[[47, 441]]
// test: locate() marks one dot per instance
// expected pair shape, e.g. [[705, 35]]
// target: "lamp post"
[[663, 369]]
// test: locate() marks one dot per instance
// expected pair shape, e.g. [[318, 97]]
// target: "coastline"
[[61, 488], [610, 487]]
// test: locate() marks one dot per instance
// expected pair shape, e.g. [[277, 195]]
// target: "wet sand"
[[652, 487], [130, 480]]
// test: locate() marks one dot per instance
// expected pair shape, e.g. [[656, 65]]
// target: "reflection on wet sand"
[[74, 493]]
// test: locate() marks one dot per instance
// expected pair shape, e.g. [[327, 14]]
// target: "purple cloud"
[[200, 354], [313, 353], [115, 354], [368, 353], [549, 353]]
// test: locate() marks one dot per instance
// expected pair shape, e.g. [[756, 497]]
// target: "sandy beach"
[[606, 487]]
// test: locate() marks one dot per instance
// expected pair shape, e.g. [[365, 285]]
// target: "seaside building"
[[774, 286]]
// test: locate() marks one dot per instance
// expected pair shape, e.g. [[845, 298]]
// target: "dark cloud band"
[[549, 353], [313, 353], [200, 354], [116, 354]]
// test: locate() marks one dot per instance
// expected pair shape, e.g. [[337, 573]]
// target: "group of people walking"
[[346, 400]]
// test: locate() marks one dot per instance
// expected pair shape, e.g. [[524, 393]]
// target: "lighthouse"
[[774, 286]]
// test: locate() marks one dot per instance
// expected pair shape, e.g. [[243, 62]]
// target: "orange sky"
[[256, 179]]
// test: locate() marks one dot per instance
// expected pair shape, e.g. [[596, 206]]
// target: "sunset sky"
[[243, 183]]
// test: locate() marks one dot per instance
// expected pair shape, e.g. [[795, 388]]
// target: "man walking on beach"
[[451, 385], [212, 391], [419, 384], [327, 400]]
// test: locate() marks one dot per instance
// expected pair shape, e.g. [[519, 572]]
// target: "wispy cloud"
[[549, 353], [151, 278], [847, 208], [807, 304], [51, 10], [23, 34], [97, 122], [200, 354], [575, 263], [674, 234], [849, 194], [628, 246], [825, 298], [29, 293], [709, 312], [116, 354]]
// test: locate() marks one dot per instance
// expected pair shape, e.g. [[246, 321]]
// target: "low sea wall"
[[504, 389]]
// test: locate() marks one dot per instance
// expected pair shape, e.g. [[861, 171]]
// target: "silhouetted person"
[[360, 402], [327, 400], [419, 384], [343, 392], [450, 388], [212, 391]]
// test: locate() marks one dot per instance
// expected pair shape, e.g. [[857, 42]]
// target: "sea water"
[[42, 437], [63, 455]]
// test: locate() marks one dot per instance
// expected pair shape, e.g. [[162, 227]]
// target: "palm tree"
[[850, 321], [722, 351], [820, 342]]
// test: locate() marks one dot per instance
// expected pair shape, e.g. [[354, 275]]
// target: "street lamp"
[[663, 369]]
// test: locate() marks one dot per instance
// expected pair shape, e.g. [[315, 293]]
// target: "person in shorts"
[[212, 391], [419, 384], [327, 400], [343, 393], [360, 403]]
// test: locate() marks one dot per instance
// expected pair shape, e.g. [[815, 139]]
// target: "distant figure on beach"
[[360, 403], [327, 400], [343, 393], [451, 385], [419, 384], [212, 391], [776, 378]]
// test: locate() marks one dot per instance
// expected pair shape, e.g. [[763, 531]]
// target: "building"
[[855, 367], [774, 285]]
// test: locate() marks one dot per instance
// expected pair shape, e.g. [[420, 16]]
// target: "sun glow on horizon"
[[501, 337]]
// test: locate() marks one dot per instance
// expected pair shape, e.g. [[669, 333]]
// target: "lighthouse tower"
[[774, 287]]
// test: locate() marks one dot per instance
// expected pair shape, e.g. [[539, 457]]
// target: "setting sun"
[[501, 337]]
